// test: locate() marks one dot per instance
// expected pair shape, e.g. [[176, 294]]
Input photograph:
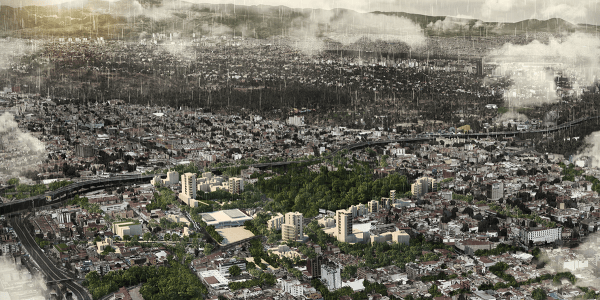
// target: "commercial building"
[[400, 237], [236, 185], [540, 234], [423, 186], [188, 189], [214, 279], [226, 218], [129, 228], [224, 265], [495, 190]]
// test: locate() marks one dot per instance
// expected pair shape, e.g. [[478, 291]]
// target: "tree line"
[[173, 281]]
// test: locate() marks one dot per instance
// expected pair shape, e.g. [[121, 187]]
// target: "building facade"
[[540, 234], [373, 206], [423, 186], [343, 220], [275, 222], [236, 185], [331, 276], [495, 190], [293, 227], [188, 189]]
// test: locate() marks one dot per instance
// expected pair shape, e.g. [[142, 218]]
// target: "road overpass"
[[51, 272], [69, 191]]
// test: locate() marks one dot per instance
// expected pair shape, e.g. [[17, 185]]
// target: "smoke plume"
[[20, 150], [534, 67], [11, 50], [18, 282], [349, 27], [591, 149]]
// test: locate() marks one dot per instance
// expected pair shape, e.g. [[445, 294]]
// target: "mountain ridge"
[[79, 18]]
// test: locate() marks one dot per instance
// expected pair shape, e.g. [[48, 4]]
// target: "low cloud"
[[18, 282], [591, 149], [21, 150], [534, 67]]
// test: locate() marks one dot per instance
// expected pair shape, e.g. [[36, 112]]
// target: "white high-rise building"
[[188, 189], [331, 276], [236, 185], [343, 221], [423, 186], [293, 227]]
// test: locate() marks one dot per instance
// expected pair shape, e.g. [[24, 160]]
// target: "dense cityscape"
[[160, 150]]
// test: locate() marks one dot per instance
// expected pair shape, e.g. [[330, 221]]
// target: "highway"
[[46, 265], [66, 192]]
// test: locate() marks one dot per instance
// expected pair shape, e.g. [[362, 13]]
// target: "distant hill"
[[129, 19]]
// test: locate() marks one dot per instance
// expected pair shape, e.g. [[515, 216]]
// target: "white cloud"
[[571, 13]]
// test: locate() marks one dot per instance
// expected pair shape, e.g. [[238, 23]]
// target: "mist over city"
[[382, 149]]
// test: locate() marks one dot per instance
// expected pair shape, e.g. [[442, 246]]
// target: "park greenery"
[[174, 281], [589, 293], [595, 183], [162, 199], [85, 204], [22, 191], [441, 275], [516, 212], [305, 191], [258, 226], [569, 172], [378, 255], [210, 229], [42, 243], [107, 250], [499, 270], [235, 271], [165, 223]]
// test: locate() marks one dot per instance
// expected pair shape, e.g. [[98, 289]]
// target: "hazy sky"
[[576, 11]]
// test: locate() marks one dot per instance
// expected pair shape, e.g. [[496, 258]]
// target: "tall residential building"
[[275, 222], [495, 190], [373, 206], [188, 189], [423, 186], [393, 195], [313, 266], [331, 276], [343, 220], [236, 185], [386, 203], [292, 229]]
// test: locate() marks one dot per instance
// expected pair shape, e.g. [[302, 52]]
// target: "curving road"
[[66, 192], [46, 265]]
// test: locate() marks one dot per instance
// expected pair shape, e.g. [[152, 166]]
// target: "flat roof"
[[221, 216], [211, 280], [234, 234]]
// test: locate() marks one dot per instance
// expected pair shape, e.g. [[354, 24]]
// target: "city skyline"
[[576, 12]]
